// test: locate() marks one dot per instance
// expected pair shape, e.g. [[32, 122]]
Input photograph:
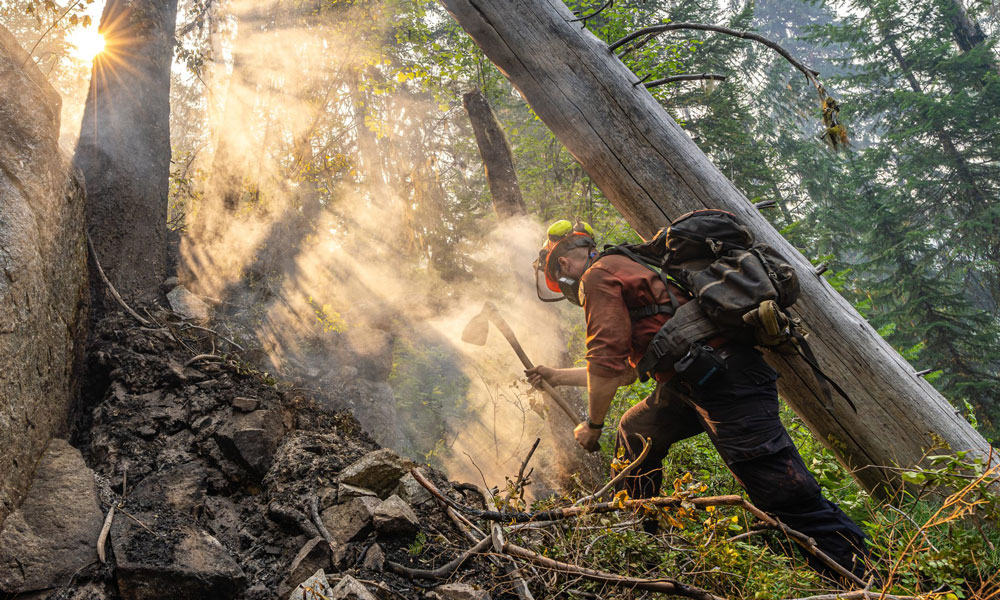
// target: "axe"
[[476, 333]]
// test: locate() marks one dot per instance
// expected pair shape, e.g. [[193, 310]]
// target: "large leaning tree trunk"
[[652, 172], [124, 147]]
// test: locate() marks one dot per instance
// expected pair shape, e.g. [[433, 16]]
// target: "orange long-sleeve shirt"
[[610, 287]]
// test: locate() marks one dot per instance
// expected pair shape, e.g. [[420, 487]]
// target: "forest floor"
[[164, 439]]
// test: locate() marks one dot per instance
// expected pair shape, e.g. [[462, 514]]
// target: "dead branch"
[[281, 513], [103, 538], [318, 522], [445, 571], [215, 333], [111, 288], [666, 586], [747, 534], [584, 18], [646, 444], [806, 542], [208, 357], [685, 77], [575, 511], [648, 33]]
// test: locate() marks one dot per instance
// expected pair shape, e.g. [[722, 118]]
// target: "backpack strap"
[[674, 303], [650, 310]]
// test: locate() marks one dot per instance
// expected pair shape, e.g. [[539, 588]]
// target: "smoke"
[[331, 219]]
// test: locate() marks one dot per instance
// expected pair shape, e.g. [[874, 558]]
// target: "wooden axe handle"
[[546, 386]]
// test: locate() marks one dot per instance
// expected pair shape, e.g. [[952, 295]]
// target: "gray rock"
[[54, 532], [246, 404], [43, 272], [346, 491], [315, 588], [178, 561], [379, 471], [349, 588], [252, 439], [169, 283], [351, 520], [187, 305], [395, 517], [457, 591], [411, 491], [313, 556], [374, 558], [181, 488]]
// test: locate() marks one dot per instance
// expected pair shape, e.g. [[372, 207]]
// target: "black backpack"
[[715, 259], [741, 289]]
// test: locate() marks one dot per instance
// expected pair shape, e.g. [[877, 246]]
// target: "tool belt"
[[689, 327]]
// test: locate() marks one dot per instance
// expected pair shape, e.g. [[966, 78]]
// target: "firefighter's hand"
[[587, 437], [540, 372]]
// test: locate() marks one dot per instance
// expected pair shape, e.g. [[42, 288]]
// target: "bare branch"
[[111, 288], [102, 539], [666, 586], [586, 18], [208, 357], [685, 77], [444, 571], [646, 444], [648, 33]]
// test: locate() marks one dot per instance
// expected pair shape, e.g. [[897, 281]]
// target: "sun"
[[87, 43]]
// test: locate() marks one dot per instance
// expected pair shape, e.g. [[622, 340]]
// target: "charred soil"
[[212, 467]]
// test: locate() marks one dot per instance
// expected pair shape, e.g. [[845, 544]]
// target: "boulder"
[[411, 491], [374, 558], [181, 488], [43, 272], [351, 520], [252, 439], [165, 558], [54, 532], [394, 517], [187, 305], [349, 588], [379, 471], [313, 556], [315, 588], [457, 591], [246, 404]]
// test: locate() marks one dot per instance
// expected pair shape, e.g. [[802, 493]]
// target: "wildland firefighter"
[[717, 382]]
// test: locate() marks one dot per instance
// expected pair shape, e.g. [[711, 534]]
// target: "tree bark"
[[652, 171], [124, 147], [497, 158]]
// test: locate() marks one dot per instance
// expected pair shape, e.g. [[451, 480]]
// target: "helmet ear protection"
[[563, 236]]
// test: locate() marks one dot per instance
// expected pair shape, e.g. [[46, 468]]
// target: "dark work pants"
[[739, 412]]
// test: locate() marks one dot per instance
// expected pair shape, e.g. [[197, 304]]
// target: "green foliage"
[[924, 541]]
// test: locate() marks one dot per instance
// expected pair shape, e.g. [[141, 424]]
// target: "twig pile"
[[495, 545]]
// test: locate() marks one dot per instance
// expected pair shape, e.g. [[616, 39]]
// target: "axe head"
[[478, 329]]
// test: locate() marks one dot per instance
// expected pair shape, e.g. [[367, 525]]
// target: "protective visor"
[[549, 285]]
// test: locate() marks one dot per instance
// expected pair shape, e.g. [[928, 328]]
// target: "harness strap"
[[650, 310]]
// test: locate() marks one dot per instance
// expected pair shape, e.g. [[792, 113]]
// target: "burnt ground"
[[162, 433]]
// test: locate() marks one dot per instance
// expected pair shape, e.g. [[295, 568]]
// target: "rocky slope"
[[213, 470]]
